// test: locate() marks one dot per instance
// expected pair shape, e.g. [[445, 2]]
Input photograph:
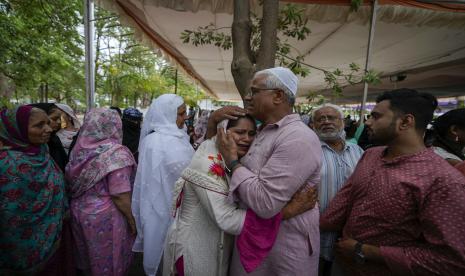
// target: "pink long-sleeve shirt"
[[283, 157], [412, 207]]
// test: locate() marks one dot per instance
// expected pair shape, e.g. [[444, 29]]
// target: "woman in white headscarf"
[[164, 152], [71, 127]]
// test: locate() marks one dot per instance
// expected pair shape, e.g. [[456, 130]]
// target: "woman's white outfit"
[[205, 221], [164, 152]]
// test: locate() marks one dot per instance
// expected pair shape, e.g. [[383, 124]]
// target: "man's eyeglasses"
[[324, 118], [255, 90]]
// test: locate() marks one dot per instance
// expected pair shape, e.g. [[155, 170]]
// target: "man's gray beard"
[[331, 136]]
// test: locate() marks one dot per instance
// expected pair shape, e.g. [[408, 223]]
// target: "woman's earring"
[[456, 138]]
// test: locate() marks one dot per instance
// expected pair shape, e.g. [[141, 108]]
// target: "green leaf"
[[337, 72], [355, 5], [354, 67]]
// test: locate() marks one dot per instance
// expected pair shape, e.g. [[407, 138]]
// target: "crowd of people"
[[255, 191]]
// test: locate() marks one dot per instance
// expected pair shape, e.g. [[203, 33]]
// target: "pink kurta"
[[284, 157], [412, 207], [100, 230]]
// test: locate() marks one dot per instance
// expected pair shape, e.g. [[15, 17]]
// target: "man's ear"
[[279, 97], [407, 121], [453, 129]]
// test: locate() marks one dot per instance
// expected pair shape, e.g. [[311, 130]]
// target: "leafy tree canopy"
[[42, 58]]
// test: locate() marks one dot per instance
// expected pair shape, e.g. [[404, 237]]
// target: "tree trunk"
[[148, 102], [269, 32], [41, 93], [242, 67], [112, 94], [66, 98], [46, 92], [134, 103], [117, 93]]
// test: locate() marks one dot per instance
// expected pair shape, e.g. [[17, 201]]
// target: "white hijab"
[[164, 152], [69, 111], [66, 136]]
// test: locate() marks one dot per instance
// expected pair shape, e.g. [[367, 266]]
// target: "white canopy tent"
[[426, 44]]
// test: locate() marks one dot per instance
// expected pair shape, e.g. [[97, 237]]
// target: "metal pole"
[[367, 63], [89, 40]]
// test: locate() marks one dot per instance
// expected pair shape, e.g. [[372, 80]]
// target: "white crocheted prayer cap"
[[286, 77]]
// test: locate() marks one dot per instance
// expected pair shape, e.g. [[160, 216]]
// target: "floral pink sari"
[[98, 151], [100, 168]]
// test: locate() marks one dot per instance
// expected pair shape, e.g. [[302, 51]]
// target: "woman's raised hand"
[[226, 112]]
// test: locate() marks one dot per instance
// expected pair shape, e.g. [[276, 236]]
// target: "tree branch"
[[303, 63], [217, 29]]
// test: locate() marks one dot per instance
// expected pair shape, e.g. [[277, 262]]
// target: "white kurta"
[[197, 233]]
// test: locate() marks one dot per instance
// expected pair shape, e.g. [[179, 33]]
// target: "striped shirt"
[[336, 168]]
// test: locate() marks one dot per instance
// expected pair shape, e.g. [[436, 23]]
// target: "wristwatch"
[[359, 256], [229, 169]]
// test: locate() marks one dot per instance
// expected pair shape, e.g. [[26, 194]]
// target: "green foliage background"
[[42, 58]]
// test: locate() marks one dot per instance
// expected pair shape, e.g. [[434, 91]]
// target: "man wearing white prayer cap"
[[285, 157]]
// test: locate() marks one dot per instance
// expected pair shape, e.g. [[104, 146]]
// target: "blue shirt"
[[336, 168]]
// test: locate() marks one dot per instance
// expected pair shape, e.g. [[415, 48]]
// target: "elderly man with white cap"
[[284, 157]]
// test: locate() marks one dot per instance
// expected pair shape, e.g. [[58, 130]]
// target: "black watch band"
[[229, 168], [359, 256]]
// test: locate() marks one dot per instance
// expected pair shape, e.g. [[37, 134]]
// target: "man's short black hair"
[[408, 101]]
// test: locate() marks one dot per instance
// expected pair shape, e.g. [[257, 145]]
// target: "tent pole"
[[367, 62], [89, 57]]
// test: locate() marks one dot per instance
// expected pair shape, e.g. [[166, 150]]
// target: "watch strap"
[[359, 256], [358, 247], [230, 167], [233, 164]]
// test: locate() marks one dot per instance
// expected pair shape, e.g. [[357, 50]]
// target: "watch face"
[[228, 171], [359, 258]]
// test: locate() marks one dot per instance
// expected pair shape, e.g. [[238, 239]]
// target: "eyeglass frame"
[[326, 118], [258, 90]]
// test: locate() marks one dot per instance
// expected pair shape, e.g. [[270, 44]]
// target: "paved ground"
[[137, 268]]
